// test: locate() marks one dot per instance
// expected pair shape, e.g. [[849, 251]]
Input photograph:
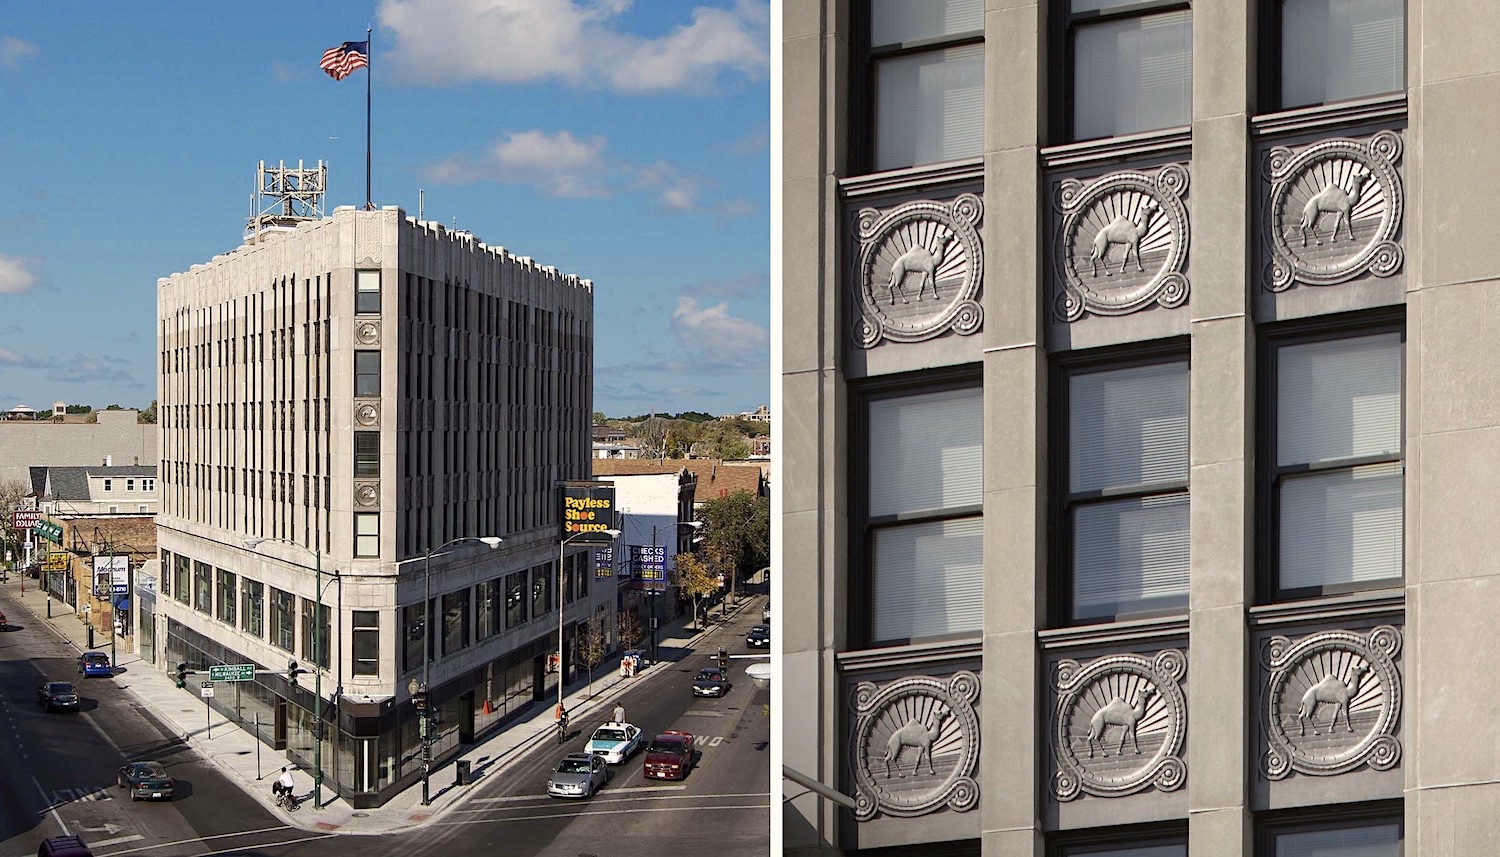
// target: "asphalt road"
[[59, 773]]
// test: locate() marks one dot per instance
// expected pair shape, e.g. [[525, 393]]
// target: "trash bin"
[[463, 776]]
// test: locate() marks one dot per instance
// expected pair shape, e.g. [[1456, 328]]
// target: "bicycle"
[[562, 731], [287, 801]]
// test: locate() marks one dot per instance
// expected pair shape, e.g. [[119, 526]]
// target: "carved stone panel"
[[919, 272], [915, 745], [1332, 702], [1333, 211], [367, 493], [1121, 244], [367, 333], [1119, 725], [367, 413]]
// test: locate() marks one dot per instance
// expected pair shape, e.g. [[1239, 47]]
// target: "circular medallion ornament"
[[367, 494], [920, 269], [1333, 700], [915, 746], [367, 333], [1334, 211], [1122, 243], [1120, 724], [367, 414]]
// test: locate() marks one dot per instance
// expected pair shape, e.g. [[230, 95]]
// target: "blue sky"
[[622, 142]]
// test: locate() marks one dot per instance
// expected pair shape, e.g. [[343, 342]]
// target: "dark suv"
[[57, 694]]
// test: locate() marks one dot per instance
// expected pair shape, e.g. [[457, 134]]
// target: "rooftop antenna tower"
[[284, 197]]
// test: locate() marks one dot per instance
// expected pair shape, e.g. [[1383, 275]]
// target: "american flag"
[[341, 61]]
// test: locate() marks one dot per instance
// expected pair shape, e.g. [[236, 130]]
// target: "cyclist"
[[282, 788], [562, 723]]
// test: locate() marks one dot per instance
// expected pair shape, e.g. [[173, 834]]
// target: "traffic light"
[[723, 658], [181, 676], [291, 672], [419, 699]]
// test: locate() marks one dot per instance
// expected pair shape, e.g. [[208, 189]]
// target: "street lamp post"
[[655, 593], [427, 639], [317, 655], [561, 668]]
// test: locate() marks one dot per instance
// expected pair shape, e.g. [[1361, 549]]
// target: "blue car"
[[95, 664]]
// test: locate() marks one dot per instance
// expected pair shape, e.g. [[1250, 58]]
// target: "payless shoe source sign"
[[588, 510]]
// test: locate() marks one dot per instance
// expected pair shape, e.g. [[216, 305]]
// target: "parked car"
[[614, 742], [710, 681], [95, 664], [765, 614], [669, 756], [57, 694], [146, 781], [578, 775], [759, 637]]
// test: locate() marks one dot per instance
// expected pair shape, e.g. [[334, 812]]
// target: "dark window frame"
[[361, 304], [1062, 26], [1325, 817], [863, 527], [866, 59], [1269, 474], [364, 626], [1061, 501], [367, 354], [1271, 57], [1105, 840], [364, 467]]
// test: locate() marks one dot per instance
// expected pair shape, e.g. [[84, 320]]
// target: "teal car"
[[615, 742]]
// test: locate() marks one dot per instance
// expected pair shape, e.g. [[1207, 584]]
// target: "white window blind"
[[894, 22], [1130, 556], [926, 452], [1133, 74], [1375, 841], [367, 534], [927, 579], [1128, 427], [1342, 527], [1334, 50], [929, 107], [1338, 399]]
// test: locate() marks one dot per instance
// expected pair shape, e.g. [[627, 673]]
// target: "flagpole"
[[369, 72]]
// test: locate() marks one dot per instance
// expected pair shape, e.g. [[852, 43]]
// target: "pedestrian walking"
[[619, 713]]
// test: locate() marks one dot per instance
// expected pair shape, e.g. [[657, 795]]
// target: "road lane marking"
[[510, 798], [612, 796], [694, 713], [52, 809], [205, 839], [583, 812], [119, 840]]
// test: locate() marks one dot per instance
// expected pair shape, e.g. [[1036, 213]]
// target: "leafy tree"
[[628, 628], [113, 408], [593, 643], [693, 578], [77, 409], [149, 414], [11, 492], [737, 530]]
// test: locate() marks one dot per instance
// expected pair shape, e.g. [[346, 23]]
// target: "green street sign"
[[232, 672]]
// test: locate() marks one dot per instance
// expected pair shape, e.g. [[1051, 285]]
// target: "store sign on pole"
[[25, 519], [588, 510]]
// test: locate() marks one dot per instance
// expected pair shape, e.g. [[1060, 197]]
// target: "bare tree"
[[11, 493], [628, 626], [593, 642]]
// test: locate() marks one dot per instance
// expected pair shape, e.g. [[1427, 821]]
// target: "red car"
[[670, 756]]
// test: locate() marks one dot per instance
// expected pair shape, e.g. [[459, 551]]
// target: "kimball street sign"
[[232, 672]]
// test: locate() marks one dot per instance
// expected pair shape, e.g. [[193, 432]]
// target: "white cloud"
[[15, 279], [13, 51], [714, 337], [578, 42], [557, 164], [9, 357]]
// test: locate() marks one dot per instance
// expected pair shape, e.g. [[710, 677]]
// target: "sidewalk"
[[253, 766]]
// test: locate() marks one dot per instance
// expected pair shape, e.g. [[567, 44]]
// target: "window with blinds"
[[1336, 50], [1339, 480], [1126, 508], [926, 76], [1131, 66], [1334, 839], [924, 526]]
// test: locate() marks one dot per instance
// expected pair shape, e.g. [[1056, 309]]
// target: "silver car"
[[578, 775]]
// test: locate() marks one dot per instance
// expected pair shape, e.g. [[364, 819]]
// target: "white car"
[[765, 615], [615, 742]]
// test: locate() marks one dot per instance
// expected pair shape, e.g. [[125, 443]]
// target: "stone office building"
[[1144, 435], [359, 392]]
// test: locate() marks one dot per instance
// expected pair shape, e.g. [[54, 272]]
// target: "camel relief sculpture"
[[1118, 713], [1334, 200], [1331, 691], [913, 734], [919, 260], [1122, 230]]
